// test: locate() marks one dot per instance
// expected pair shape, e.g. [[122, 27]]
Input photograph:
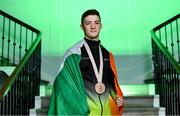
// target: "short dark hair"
[[89, 12]]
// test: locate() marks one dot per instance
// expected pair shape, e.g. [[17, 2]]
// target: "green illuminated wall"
[[126, 23]]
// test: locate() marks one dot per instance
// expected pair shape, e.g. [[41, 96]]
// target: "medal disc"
[[100, 88]]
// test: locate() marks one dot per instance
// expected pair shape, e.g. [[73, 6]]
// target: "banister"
[[166, 67], [19, 22], [5, 88], [166, 22], [165, 51], [17, 94]]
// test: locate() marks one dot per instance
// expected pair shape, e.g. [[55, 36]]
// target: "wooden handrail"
[[166, 22], [166, 67], [5, 88], [19, 22], [165, 51]]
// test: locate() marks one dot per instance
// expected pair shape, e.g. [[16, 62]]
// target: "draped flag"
[[68, 94]]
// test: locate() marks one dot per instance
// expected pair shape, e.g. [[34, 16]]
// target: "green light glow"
[[128, 90], [126, 23], [138, 89]]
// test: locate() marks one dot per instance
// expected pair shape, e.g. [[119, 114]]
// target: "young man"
[[87, 81]]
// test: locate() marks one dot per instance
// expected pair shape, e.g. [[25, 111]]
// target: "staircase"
[[20, 65], [42, 101], [143, 105], [139, 100]]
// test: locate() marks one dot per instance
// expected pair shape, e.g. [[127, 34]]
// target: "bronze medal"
[[100, 88]]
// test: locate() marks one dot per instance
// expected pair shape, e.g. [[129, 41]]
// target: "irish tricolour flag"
[[68, 94]]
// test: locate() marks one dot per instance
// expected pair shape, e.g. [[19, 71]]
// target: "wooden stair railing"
[[166, 64], [21, 45]]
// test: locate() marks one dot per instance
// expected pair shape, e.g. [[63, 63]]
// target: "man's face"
[[91, 26]]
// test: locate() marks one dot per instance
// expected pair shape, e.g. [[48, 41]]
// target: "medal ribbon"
[[97, 74]]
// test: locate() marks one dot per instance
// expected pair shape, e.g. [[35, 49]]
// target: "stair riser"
[[42, 102], [128, 112], [146, 101], [148, 113], [151, 101], [144, 111], [38, 112]]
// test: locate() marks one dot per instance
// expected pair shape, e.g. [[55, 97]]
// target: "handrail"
[[166, 22], [14, 34], [19, 21], [166, 72], [11, 79], [17, 95], [164, 50]]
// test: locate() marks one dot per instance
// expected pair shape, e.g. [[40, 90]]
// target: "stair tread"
[[142, 108], [139, 104], [46, 97], [144, 111], [141, 101], [40, 109], [138, 96], [126, 111]]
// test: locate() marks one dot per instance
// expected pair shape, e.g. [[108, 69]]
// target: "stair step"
[[133, 105], [144, 112], [141, 101], [45, 90], [127, 111], [35, 112], [129, 101], [138, 89], [42, 102], [128, 90]]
